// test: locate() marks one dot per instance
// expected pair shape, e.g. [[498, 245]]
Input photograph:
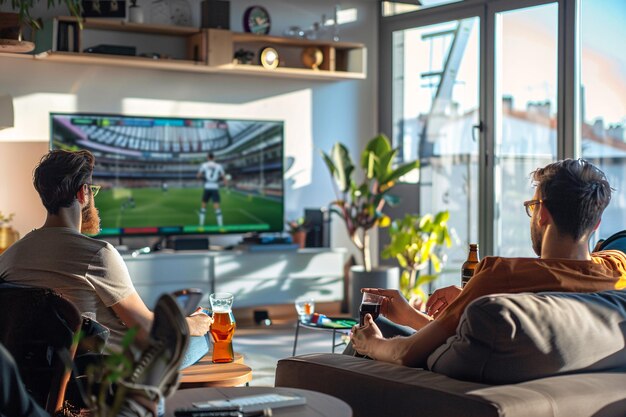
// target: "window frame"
[[568, 85]]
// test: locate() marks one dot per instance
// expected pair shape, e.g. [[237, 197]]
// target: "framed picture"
[[257, 20], [104, 8]]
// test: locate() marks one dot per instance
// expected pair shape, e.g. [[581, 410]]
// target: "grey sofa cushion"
[[510, 338]]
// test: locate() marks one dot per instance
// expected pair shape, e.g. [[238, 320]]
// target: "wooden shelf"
[[296, 73], [208, 51], [267, 39], [189, 66], [122, 26]]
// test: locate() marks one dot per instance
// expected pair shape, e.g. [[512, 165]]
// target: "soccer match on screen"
[[176, 175]]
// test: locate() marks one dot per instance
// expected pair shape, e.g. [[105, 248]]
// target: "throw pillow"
[[509, 338]]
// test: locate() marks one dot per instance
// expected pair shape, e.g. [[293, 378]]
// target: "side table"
[[317, 404], [339, 326], [205, 373]]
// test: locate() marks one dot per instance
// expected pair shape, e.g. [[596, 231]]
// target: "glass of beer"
[[370, 304], [223, 327]]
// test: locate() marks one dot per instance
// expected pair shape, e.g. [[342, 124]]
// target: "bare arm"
[[408, 351], [397, 309], [133, 311]]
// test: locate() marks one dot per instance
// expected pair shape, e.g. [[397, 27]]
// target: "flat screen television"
[[148, 166]]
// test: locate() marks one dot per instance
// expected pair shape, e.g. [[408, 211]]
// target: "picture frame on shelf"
[[256, 19], [104, 8]]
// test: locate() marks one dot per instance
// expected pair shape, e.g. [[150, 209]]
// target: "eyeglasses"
[[530, 206], [95, 189]]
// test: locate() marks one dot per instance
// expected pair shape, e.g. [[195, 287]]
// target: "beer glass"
[[305, 308], [223, 327], [370, 304]]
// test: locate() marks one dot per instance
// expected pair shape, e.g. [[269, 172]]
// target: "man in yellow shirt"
[[569, 199]]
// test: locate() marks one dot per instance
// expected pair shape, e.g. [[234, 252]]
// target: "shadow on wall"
[[17, 194]]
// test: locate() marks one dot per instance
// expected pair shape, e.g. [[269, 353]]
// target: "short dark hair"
[[210, 155], [59, 175], [575, 192]]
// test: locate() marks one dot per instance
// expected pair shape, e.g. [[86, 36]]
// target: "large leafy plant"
[[360, 204], [416, 242]]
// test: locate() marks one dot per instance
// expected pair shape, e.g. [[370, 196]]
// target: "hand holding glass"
[[223, 327], [370, 304]]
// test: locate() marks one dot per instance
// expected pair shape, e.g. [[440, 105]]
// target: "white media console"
[[255, 278]]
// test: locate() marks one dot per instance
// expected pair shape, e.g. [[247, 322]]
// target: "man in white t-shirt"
[[212, 173], [89, 272]]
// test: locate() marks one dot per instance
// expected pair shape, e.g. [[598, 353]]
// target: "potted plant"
[[8, 235], [416, 242], [23, 16], [297, 230], [360, 204]]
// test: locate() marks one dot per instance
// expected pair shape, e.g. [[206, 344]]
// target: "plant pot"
[[299, 238], [11, 35], [379, 277], [8, 236]]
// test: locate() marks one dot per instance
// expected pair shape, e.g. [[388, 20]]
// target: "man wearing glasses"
[[569, 199], [89, 272]]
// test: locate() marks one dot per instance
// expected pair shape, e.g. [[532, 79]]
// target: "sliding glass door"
[[435, 118], [486, 91], [525, 107]]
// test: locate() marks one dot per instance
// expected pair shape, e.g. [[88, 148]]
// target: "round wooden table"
[[317, 404], [205, 373]]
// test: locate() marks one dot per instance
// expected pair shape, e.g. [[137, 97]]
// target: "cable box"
[[112, 50]]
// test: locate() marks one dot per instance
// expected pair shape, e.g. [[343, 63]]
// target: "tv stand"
[[258, 239], [255, 278]]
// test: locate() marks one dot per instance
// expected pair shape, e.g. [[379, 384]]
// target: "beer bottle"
[[467, 270]]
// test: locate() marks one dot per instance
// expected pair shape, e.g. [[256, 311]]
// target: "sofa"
[[547, 354]]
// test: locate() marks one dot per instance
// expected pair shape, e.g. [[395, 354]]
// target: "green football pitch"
[[144, 207]]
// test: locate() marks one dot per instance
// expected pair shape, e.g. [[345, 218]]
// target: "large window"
[[526, 84], [435, 109], [603, 100], [545, 80]]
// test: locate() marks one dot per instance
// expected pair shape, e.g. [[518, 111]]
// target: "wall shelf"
[[203, 51]]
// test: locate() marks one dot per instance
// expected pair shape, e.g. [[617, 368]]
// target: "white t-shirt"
[[88, 272], [212, 172]]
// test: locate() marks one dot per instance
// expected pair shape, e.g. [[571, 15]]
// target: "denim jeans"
[[198, 347]]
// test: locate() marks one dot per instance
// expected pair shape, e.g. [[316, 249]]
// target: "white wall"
[[316, 113]]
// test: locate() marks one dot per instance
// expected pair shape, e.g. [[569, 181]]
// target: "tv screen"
[[157, 173]]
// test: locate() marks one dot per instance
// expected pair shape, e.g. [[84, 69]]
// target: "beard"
[[90, 219], [536, 237]]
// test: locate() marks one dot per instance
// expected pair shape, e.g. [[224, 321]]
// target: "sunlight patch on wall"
[[37, 107]]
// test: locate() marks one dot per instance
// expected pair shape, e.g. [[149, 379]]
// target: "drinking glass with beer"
[[223, 327], [305, 307], [370, 304]]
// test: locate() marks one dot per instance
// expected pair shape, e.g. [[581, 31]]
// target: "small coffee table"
[[317, 404], [340, 326], [205, 373]]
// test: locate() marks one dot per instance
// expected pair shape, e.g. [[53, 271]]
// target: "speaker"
[[318, 234], [216, 14], [189, 243]]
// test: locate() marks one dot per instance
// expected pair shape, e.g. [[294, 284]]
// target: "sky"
[[528, 60]]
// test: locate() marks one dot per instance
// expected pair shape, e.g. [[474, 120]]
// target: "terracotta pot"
[[8, 236], [299, 238]]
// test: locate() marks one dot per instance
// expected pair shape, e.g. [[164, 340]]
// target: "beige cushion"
[[509, 338]]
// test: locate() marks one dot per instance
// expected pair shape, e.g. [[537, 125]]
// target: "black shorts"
[[213, 195]]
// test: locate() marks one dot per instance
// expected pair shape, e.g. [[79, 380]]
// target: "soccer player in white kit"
[[212, 173]]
